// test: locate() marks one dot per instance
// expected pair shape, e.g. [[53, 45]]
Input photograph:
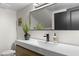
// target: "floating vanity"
[[34, 47]]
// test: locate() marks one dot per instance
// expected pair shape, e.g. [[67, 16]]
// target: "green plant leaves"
[[39, 26], [25, 27]]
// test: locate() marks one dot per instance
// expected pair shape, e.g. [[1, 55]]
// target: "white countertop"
[[49, 48]]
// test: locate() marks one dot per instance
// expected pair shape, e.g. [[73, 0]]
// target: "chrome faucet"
[[47, 37]]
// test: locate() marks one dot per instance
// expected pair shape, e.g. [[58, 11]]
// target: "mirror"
[[58, 16], [41, 19]]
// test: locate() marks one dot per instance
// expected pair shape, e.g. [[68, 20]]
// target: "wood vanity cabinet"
[[21, 51]]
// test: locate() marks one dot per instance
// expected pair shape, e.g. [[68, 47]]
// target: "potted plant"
[[26, 29]]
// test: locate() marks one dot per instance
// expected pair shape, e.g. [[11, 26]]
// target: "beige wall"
[[7, 28]]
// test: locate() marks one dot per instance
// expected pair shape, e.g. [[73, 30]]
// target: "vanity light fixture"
[[37, 5]]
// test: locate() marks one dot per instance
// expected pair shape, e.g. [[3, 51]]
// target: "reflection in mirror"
[[41, 19]]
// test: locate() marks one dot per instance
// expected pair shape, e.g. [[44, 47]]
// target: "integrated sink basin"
[[46, 44]]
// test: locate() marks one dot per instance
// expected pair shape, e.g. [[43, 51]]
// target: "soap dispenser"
[[55, 38]]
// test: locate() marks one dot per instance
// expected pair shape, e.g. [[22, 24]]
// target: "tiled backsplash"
[[69, 37]]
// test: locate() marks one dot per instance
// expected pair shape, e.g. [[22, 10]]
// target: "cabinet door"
[[61, 21], [74, 19], [21, 51]]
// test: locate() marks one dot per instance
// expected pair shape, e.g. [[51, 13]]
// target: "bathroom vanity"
[[59, 16], [34, 47]]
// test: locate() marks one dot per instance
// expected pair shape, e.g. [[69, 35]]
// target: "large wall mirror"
[[58, 16]]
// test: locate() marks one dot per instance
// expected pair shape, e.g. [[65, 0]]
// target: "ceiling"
[[18, 6], [14, 6]]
